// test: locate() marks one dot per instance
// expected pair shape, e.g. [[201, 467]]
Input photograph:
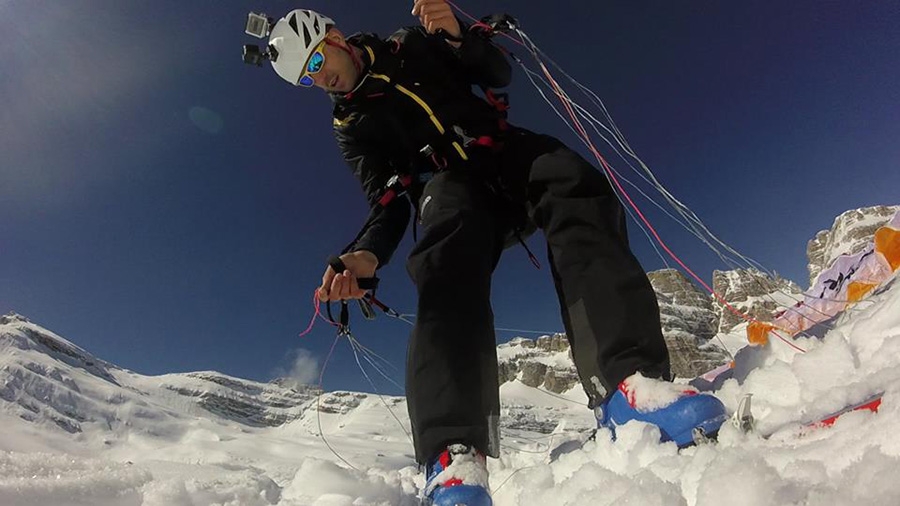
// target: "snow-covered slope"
[[53, 383], [142, 441]]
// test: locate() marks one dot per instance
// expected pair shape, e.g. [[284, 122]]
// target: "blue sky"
[[170, 209]]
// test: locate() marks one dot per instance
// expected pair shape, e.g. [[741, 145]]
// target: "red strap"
[[391, 192], [494, 101], [387, 197], [485, 141]]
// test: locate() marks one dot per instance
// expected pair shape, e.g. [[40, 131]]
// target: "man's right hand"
[[343, 285]]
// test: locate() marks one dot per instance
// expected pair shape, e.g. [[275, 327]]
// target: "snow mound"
[[44, 479], [322, 483]]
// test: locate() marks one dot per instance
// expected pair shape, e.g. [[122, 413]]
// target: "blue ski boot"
[[682, 414], [457, 477]]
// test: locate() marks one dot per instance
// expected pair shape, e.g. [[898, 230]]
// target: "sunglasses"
[[315, 64]]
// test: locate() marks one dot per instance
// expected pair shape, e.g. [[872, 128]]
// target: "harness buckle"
[[399, 184], [466, 140]]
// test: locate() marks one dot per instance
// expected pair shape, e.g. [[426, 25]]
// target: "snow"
[[39, 478], [733, 340], [143, 444], [323, 482], [648, 394]]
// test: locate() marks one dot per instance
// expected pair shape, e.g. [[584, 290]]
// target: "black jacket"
[[415, 86]]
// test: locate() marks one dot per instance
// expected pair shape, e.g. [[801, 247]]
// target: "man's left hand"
[[437, 15]]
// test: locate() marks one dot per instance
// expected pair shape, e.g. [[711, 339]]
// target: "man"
[[413, 131]]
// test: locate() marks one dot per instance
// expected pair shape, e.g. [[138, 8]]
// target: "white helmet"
[[295, 37]]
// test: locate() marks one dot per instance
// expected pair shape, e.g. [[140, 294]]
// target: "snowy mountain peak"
[[12, 317], [850, 233], [18, 332]]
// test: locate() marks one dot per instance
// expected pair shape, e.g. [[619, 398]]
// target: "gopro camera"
[[258, 25]]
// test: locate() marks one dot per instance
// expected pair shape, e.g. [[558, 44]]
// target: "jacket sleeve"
[[385, 226], [482, 61]]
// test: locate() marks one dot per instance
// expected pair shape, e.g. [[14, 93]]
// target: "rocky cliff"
[[544, 362], [689, 323], [753, 293]]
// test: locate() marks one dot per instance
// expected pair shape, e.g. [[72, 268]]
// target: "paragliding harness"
[[400, 184]]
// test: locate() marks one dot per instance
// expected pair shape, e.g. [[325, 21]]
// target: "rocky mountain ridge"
[[690, 321], [691, 318]]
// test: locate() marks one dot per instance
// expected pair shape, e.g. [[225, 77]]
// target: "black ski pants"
[[609, 309]]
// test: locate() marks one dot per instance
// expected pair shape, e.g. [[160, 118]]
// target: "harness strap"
[[499, 101]]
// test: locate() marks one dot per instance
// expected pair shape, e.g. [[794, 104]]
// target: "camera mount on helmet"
[[253, 55]]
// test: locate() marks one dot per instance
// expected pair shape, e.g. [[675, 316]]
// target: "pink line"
[[316, 304]]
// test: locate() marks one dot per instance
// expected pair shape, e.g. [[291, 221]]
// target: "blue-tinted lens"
[[315, 63], [306, 80]]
